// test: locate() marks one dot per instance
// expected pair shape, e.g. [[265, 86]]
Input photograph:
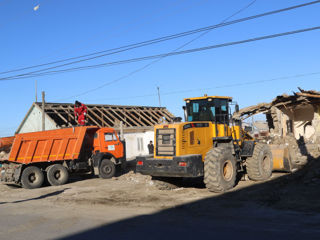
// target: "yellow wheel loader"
[[210, 144]]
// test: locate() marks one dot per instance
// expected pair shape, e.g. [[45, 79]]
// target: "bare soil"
[[93, 207]]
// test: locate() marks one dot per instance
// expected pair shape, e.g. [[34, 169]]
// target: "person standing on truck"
[[150, 147], [80, 112]]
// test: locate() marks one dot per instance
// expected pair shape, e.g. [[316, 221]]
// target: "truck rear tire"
[[260, 164], [107, 169], [220, 170], [32, 177], [57, 175]]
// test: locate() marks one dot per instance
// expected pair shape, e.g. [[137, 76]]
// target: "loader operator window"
[[215, 110]]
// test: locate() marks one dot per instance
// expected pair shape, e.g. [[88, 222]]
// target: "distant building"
[[137, 121]]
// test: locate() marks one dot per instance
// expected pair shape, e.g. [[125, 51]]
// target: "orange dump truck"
[[54, 154]]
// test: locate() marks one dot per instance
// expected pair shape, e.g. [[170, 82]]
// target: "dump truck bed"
[[48, 146]]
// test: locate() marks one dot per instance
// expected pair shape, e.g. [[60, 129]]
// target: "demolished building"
[[294, 122]]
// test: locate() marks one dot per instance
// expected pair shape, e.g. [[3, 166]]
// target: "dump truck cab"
[[108, 150], [209, 137]]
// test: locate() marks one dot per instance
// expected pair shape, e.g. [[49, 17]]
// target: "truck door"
[[112, 144]]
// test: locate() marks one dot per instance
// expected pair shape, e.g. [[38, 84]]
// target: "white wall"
[[33, 122], [133, 143], [303, 116]]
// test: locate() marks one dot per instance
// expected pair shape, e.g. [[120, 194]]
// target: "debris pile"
[[5, 147], [294, 122]]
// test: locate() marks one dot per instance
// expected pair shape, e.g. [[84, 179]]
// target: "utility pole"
[[36, 88], [43, 115], [121, 131], [159, 96]]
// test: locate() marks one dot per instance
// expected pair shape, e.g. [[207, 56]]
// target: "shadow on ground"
[[284, 208], [37, 198]]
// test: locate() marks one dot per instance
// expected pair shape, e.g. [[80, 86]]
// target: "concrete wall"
[[316, 123], [33, 121], [137, 143], [303, 117]]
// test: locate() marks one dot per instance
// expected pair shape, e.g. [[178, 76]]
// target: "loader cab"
[[208, 108]]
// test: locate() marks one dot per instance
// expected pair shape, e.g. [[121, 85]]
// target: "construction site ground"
[[131, 206]]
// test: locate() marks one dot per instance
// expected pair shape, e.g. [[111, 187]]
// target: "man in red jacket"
[[80, 112]]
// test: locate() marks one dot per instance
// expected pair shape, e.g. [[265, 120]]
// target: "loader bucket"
[[281, 158]]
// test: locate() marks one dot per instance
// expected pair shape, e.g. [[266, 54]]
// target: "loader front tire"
[[259, 165], [220, 169], [57, 175], [32, 177]]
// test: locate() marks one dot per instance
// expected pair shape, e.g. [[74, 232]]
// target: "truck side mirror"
[[185, 113], [237, 108]]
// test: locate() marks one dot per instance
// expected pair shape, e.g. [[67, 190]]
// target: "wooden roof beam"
[[65, 120], [105, 116], [136, 118], [124, 121], [129, 117], [96, 115], [142, 114]]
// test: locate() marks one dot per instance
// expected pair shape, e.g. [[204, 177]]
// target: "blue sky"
[[61, 29]]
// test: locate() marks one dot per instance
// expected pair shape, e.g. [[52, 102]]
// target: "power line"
[[153, 62], [64, 60], [149, 42], [217, 87], [132, 60]]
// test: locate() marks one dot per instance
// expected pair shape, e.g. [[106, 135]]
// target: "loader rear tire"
[[220, 169], [57, 175], [32, 177], [107, 169], [259, 165]]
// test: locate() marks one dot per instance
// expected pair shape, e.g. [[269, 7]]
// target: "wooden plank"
[[155, 114], [97, 116], [142, 115], [128, 124], [92, 119], [308, 95], [106, 116], [65, 120], [167, 114], [69, 114], [129, 116], [133, 116]]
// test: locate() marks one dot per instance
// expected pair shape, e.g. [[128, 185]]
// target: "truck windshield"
[[110, 137], [215, 110]]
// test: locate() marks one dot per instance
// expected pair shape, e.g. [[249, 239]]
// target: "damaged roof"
[[287, 101], [106, 115]]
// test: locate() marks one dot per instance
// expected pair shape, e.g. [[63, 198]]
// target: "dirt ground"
[[131, 206]]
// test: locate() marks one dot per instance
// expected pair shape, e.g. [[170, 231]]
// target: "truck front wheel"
[[32, 177], [57, 175], [107, 169], [220, 170]]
